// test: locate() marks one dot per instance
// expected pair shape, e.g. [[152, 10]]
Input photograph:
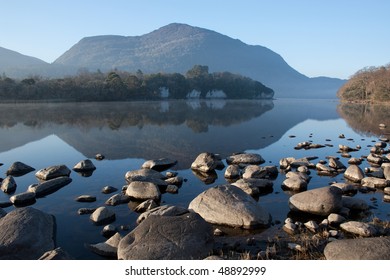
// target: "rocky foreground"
[[326, 223]]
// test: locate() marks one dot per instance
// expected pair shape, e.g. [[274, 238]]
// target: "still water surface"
[[130, 133]]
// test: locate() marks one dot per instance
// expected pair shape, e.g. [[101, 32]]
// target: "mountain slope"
[[177, 47], [12, 62]]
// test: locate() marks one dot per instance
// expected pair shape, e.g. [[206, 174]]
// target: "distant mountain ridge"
[[178, 47]]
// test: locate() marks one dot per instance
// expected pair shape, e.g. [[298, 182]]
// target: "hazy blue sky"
[[332, 38]]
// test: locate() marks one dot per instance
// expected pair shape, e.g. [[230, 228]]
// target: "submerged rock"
[[185, 237], [231, 206]]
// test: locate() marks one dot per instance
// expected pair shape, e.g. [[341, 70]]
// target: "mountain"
[[15, 64], [177, 47]]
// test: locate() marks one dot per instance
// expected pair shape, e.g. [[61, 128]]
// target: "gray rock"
[[177, 181], [108, 248], [117, 199], [354, 203], [386, 172], [231, 206], [26, 234], [298, 175], [159, 164], [86, 198], [336, 164], [312, 226], [386, 191], [245, 159], [335, 219], [19, 169], [84, 166], [23, 198], [354, 173], [86, 211], [254, 171], [172, 189], [321, 201], [374, 248], [146, 175], [109, 230], [52, 172], [146, 205], [285, 163], [254, 186], [109, 189], [356, 161], [346, 188], [373, 182], [290, 228], [205, 162], [49, 186], [295, 184], [184, 237], [323, 168], [56, 254], [359, 228], [143, 191], [8, 185], [164, 210], [374, 158], [213, 258], [232, 172], [102, 215]]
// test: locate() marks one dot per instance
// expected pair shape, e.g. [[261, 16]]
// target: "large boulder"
[[184, 237], [52, 172], [26, 234], [231, 206], [373, 248], [164, 210], [321, 201]]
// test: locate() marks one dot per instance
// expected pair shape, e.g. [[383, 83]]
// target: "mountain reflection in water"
[[175, 129]]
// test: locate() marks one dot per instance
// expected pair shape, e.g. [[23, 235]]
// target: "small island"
[[125, 86], [371, 85]]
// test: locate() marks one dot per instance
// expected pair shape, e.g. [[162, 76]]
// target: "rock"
[[56, 254], [86, 198], [159, 164], [109, 230], [375, 182], [298, 175], [164, 210], [143, 191], [386, 190], [356, 161], [312, 226], [99, 157], [321, 201], [254, 187], [85, 211], [19, 169], [84, 166], [231, 206], [213, 258], [295, 184], [102, 215], [146, 175], [359, 228], [373, 248], [108, 248], [8, 185], [336, 164], [355, 204], [374, 158], [302, 162], [254, 171], [346, 188], [50, 186], [285, 163], [290, 228], [146, 205], [171, 174], [205, 162], [232, 172], [53, 172], [172, 189], [207, 178], [25, 198], [109, 189], [335, 219], [345, 148], [182, 237], [244, 158], [354, 173], [177, 181], [26, 234], [117, 199], [386, 172]]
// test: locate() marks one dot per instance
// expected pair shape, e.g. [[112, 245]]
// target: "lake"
[[129, 133]]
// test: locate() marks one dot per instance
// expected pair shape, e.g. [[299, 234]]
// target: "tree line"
[[371, 84], [122, 86]]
